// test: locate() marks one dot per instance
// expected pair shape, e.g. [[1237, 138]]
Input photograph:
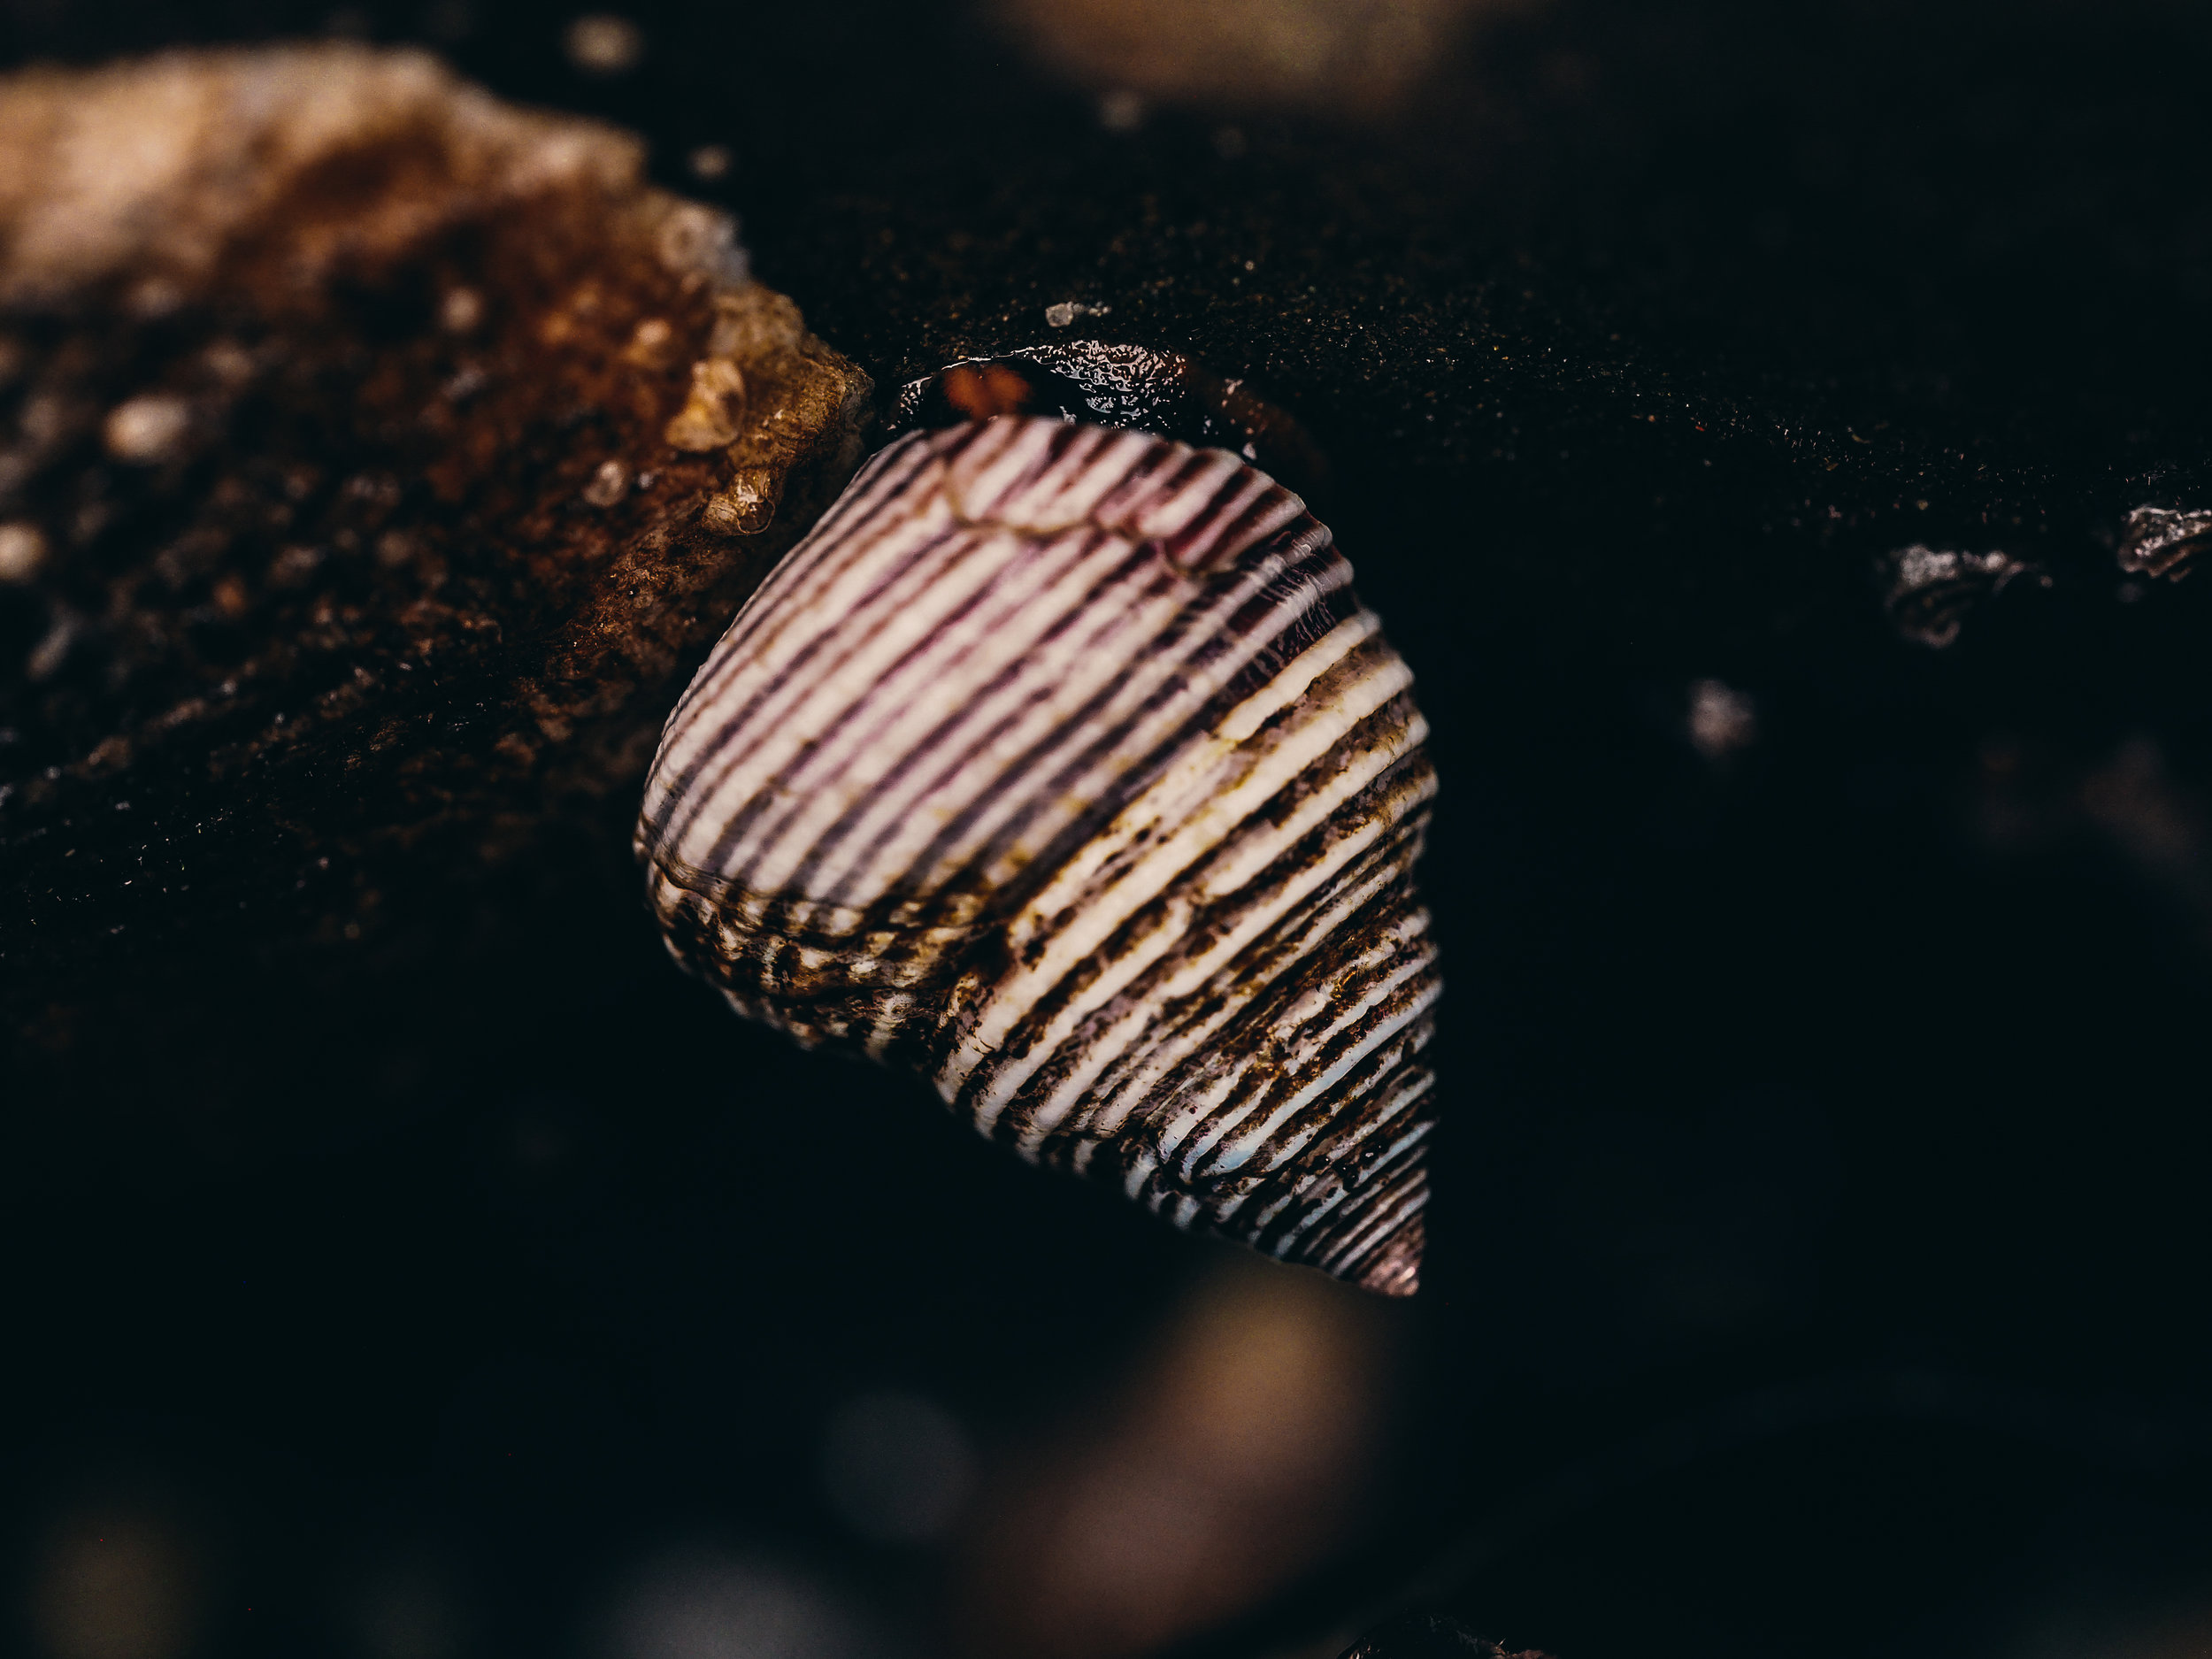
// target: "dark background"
[[1819, 1228]]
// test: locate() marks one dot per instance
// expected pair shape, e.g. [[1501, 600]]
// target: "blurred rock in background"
[[1349, 58], [1242, 1448]]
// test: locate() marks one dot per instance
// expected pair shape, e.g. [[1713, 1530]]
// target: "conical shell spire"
[[1062, 765]]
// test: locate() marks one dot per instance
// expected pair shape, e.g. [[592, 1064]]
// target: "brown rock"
[[1360, 58], [376, 459]]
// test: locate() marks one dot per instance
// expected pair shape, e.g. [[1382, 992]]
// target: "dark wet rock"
[[375, 460], [1428, 1636], [2163, 541], [1928, 592], [1122, 386]]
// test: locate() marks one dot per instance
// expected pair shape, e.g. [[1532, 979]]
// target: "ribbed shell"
[[1062, 765]]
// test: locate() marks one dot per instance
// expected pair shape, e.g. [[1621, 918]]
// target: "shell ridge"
[[735, 662], [1157, 664], [1311, 1025], [1242, 1107], [1244, 510], [1325, 583], [1197, 496], [1165, 498], [1104, 1072], [880, 486], [1202, 1019], [1132, 728], [1172, 793], [1227, 805], [1355, 1240], [1368, 1229], [1202, 505], [1018, 1046], [1149, 884], [1194, 748], [1141, 480], [965, 753], [1408, 1088], [995, 861], [1004, 457], [927, 652], [1368, 892], [1268, 1137], [1056, 489], [753, 762]]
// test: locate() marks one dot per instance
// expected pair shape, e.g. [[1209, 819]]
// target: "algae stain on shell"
[[1063, 767]]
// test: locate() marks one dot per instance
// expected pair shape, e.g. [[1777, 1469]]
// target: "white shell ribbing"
[[1062, 765]]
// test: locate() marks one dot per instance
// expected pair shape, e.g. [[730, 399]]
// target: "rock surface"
[[1428, 1636], [376, 459], [1823, 1000]]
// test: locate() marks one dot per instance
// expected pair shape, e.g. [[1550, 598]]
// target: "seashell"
[[1062, 765]]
